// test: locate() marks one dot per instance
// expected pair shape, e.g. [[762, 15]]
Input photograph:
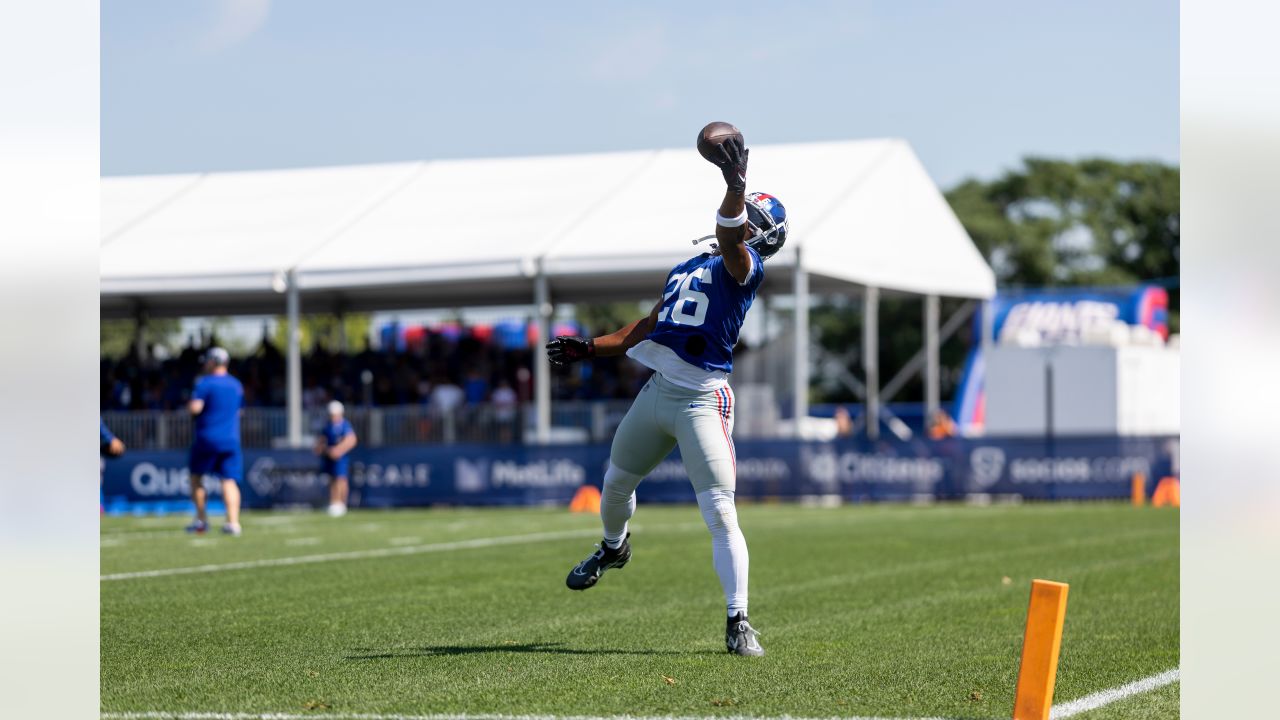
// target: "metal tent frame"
[[584, 228]]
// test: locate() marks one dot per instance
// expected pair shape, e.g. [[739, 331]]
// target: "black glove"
[[732, 161], [567, 349]]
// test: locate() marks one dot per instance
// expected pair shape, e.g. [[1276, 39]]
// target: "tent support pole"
[[800, 378], [140, 334], [915, 365], [931, 389], [988, 324], [293, 387], [766, 308], [541, 365], [871, 359]]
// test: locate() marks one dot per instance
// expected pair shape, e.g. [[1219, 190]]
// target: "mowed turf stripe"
[[356, 555], [1075, 707], [1106, 697], [450, 644]]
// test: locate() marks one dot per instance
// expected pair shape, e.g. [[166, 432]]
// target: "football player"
[[336, 439], [216, 404], [688, 340]]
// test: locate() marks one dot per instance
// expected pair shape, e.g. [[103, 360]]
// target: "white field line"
[[177, 531], [154, 715], [1068, 709], [355, 555], [297, 522], [1106, 697], [381, 552]]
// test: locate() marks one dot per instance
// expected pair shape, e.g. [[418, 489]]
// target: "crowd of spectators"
[[440, 367]]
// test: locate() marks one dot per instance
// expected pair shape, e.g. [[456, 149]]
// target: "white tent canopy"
[[473, 232], [576, 228]]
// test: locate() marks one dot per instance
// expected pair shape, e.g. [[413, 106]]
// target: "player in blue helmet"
[[688, 340]]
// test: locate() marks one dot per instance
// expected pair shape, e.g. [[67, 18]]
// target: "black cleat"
[[740, 637], [588, 572]]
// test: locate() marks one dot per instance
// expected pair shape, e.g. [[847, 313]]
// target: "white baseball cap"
[[217, 356], [335, 408]]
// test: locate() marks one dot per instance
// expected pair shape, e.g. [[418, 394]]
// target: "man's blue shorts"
[[337, 468], [217, 462]]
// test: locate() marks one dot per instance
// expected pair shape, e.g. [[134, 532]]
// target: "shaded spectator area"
[[443, 366], [433, 382]]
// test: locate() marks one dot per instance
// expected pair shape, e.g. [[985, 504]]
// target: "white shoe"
[[337, 510], [233, 530]]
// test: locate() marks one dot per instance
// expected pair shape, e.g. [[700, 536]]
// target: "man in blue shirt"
[[336, 439], [216, 403], [688, 340], [108, 446]]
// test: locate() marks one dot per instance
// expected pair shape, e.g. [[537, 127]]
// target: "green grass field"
[[881, 610]]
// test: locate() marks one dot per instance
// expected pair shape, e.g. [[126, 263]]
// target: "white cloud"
[[234, 21]]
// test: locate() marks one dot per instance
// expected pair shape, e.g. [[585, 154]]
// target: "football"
[[712, 135]]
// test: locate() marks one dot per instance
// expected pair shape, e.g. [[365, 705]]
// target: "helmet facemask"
[[767, 220]]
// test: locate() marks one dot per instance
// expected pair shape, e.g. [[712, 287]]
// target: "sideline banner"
[[471, 474]]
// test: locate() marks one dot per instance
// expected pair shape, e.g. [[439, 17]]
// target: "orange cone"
[[586, 500], [1168, 492]]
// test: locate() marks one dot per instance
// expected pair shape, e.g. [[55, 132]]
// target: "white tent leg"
[[988, 324], [931, 389], [800, 378], [765, 308], [870, 359], [293, 386], [541, 365]]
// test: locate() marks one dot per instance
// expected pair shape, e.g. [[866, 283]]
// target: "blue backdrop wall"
[[1061, 468]]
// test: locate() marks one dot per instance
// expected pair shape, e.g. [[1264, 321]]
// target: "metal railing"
[[575, 421]]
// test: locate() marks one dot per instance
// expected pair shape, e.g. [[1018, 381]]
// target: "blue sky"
[[205, 85]]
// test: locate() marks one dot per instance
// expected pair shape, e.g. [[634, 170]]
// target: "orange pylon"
[[1138, 490], [585, 500], [1040, 644]]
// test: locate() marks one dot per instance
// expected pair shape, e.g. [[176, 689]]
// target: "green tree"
[[1047, 223], [117, 337], [604, 318], [325, 329], [1091, 222]]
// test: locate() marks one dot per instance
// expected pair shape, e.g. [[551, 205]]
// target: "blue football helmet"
[[768, 222]]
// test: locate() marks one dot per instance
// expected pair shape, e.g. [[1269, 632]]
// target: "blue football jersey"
[[334, 432], [218, 425], [703, 308]]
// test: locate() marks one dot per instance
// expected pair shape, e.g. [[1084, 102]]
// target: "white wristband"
[[738, 221]]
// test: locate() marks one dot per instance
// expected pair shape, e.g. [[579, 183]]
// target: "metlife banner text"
[[1062, 468]]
